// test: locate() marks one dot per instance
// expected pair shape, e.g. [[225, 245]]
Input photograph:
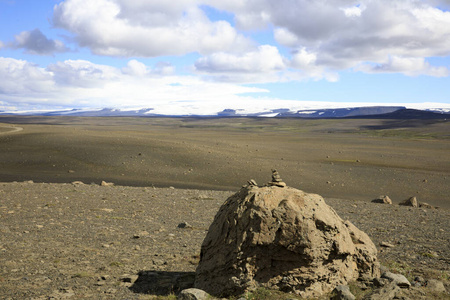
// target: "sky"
[[201, 56]]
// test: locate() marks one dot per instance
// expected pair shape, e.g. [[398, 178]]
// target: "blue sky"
[[201, 56]]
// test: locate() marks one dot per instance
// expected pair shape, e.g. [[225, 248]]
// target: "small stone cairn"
[[276, 179]]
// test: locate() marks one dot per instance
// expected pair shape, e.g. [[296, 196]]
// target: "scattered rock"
[[436, 286], [398, 279], [425, 205], [386, 244], [104, 183], [379, 282], [71, 171], [193, 294], [342, 292], [185, 225], [387, 292], [412, 201], [252, 182], [77, 182], [282, 239], [128, 278], [382, 199]]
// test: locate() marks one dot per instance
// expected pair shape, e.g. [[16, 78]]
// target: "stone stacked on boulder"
[[276, 179], [285, 239]]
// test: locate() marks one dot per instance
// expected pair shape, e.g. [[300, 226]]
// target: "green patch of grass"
[[401, 268], [445, 276], [266, 294], [427, 254], [357, 291], [168, 297]]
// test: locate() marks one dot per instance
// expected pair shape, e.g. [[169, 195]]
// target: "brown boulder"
[[285, 239]]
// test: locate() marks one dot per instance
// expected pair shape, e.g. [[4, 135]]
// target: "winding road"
[[13, 129]]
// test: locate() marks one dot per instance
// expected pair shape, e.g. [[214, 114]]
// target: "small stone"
[[425, 205], [389, 291], [252, 182], [398, 279], [379, 282], [382, 199], [104, 183], [111, 291], [184, 225], [342, 292], [71, 171], [129, 278], [77, 182], [436, 286], [193, 294], [386, 244], [412, 201]]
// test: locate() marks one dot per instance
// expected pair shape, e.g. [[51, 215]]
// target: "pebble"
[[386, 244]]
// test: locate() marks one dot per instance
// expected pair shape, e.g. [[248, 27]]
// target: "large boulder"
[[282, 238]]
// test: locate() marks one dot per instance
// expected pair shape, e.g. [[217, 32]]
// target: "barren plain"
[[62, 240], [348, 159]]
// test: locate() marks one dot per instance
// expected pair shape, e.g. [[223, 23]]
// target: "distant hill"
[[342, 112], [407, 113], [383, 112]]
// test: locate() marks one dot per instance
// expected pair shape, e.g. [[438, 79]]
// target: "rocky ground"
[[84, 241]]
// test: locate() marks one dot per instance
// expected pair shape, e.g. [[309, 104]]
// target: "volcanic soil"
[[82, 241], [141, 238]]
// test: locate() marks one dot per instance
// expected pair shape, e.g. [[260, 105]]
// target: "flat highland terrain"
[[348, 159], [61, 240]]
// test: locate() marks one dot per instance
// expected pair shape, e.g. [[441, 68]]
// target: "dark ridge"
[[406, 114]]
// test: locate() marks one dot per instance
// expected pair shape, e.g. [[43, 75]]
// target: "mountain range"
[[388, 112]]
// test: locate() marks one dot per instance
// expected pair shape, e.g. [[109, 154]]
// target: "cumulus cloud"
[[344, 34], [265, 59], [35, 42], [411, 66], [146, 28], [80, 83], [137, 68], [20, 76]]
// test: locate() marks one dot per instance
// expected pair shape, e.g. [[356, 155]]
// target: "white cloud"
[[265, 59], [35, 42], [82, 74], [80, 83], [135, 68], [344, 34], [145, 28], [411, 66], [284, 37], [22, 77]]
